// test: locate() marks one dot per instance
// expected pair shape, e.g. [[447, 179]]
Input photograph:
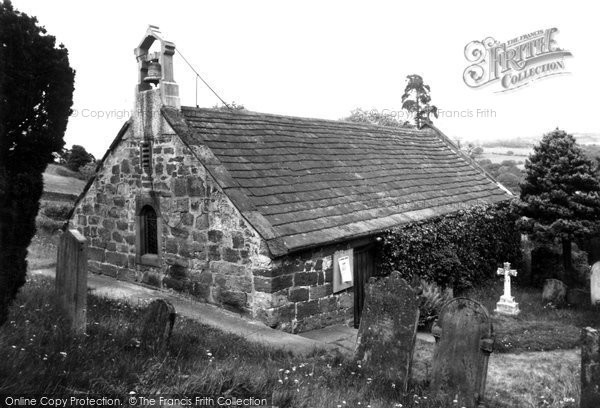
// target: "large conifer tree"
[[560, 194], [36, 89]]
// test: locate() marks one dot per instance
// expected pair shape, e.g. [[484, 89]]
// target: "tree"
[[36, 89], [509, 180], [375, 117], [78, 157], [560, 195], [478, 151], [416, 100]]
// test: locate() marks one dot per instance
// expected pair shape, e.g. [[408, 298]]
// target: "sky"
[[325, 58]]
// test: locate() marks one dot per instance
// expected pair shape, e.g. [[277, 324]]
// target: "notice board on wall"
[[343, 270]]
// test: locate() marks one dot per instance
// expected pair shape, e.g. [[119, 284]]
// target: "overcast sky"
[[323, 59]]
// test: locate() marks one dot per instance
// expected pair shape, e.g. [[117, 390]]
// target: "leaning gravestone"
[[158, 324], [388, 329], [464, 340], [595, 283], [71, 278], [590, 368], [555, 292]]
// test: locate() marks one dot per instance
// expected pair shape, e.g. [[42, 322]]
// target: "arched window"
[[148, 231]]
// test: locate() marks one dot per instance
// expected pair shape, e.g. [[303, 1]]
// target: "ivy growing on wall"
[[458, 250]]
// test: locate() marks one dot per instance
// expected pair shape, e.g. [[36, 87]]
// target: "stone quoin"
[[257, 212]]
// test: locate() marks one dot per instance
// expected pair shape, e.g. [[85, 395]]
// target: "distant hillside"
[[61, 184], [587, 138], [516, 143], [528, 142]]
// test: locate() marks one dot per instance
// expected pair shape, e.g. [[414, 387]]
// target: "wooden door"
[[363, 270]]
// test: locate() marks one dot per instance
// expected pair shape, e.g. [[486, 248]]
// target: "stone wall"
[[207, 249], [296, 292]]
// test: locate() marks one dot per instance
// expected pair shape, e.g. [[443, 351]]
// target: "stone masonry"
[[207, 249]]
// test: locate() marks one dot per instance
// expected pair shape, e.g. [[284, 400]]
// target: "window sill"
[[149, 259]]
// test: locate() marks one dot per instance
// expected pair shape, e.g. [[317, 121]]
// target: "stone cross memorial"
[[71, 278], [388, 329], [507, 305], [464, 340]]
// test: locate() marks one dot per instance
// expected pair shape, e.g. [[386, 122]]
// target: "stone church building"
[[273, 216]]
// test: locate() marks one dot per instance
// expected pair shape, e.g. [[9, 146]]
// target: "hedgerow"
[[458, 250]]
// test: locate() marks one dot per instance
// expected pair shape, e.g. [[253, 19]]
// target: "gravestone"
[[158, 323], [595, 283], [464, 340], [526, 255], [590, 368], [507, 305], [71, 278], [388, 329], [555, 292], [578, 297]]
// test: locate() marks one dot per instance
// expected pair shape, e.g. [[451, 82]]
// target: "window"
[[148, 237], [149, 231]]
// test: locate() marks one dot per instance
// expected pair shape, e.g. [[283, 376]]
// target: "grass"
[[537, 327], [42, 251], [61, 180], [38, 356], [60, 170]]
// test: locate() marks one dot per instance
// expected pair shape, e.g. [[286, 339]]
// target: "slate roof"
[[305, 182]]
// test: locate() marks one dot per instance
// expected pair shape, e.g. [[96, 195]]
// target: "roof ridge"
[[250, 113]]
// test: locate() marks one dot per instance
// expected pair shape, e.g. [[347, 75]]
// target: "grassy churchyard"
[[38, 356], [536, 361]]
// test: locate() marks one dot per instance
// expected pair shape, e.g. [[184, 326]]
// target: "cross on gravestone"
[[388, 329], [507, 305], [464, 339]]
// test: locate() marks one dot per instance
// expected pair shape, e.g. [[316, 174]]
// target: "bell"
[[154, 73]]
